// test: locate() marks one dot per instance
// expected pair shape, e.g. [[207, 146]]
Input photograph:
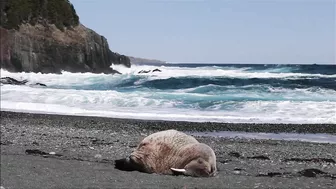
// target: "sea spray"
[[216, 93]]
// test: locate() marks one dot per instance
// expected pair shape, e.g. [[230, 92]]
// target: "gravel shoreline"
[[86, 147], [87, 122]]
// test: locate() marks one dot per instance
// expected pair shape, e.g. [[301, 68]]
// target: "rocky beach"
[[58, 151], [71, 106]]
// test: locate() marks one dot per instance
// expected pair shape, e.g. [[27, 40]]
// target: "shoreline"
[[156, 125], [84, 149]]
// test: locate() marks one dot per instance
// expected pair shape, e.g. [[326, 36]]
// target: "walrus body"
[[171, 152]]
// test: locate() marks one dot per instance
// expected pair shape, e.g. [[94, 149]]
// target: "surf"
[[201, 93]]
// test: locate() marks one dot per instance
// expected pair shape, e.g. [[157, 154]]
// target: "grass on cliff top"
[[58, 12]]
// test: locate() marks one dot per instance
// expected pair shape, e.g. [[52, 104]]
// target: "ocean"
[[234, 93]]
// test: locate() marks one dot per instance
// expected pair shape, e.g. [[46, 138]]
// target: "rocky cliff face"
[[43, 46]]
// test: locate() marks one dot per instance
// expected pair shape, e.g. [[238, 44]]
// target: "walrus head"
[[130, 163]]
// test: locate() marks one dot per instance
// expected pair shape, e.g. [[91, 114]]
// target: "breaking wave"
[[215, 93]]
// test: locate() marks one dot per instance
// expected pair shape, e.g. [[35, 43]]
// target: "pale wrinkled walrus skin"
[[171, 152]]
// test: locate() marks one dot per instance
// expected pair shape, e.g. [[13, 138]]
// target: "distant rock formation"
[[135, 60], [147, 71], [46, 36], [143, 71], [156, 70], [12, 81]]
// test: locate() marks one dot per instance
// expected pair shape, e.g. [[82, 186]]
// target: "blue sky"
[[216, 31]]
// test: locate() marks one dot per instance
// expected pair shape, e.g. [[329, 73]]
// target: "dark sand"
[[88, 146]]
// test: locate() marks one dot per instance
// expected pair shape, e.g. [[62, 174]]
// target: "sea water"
[[236, 93]]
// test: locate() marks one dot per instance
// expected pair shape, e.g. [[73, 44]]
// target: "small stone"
[[52, 153], [236, 172], [98, 156], [92, 148], [132, 145]]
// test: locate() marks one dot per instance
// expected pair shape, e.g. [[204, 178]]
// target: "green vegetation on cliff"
[[46, 49], [58, 12]]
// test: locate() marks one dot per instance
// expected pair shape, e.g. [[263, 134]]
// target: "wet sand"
[[86, 147]]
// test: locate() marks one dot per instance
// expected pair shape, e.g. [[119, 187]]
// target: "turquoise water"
[[191, 92]]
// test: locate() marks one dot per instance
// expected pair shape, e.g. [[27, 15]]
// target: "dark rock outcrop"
[[143, 71], [43, 46], [156, 70], [12, 81], [147, 71]]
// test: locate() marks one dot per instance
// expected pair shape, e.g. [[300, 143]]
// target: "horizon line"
[[175, 62]]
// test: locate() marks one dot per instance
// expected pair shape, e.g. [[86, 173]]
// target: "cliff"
[[46, 36]]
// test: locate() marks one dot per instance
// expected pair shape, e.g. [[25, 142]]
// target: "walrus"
[[171, 152]]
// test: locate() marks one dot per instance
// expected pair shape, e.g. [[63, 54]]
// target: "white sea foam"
[[159, 114], [210, 71], [64, 79], [262, 92], [144, 105], [67, 78], [61, 97]]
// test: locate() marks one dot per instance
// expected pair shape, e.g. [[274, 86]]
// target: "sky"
[[216, 31]]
